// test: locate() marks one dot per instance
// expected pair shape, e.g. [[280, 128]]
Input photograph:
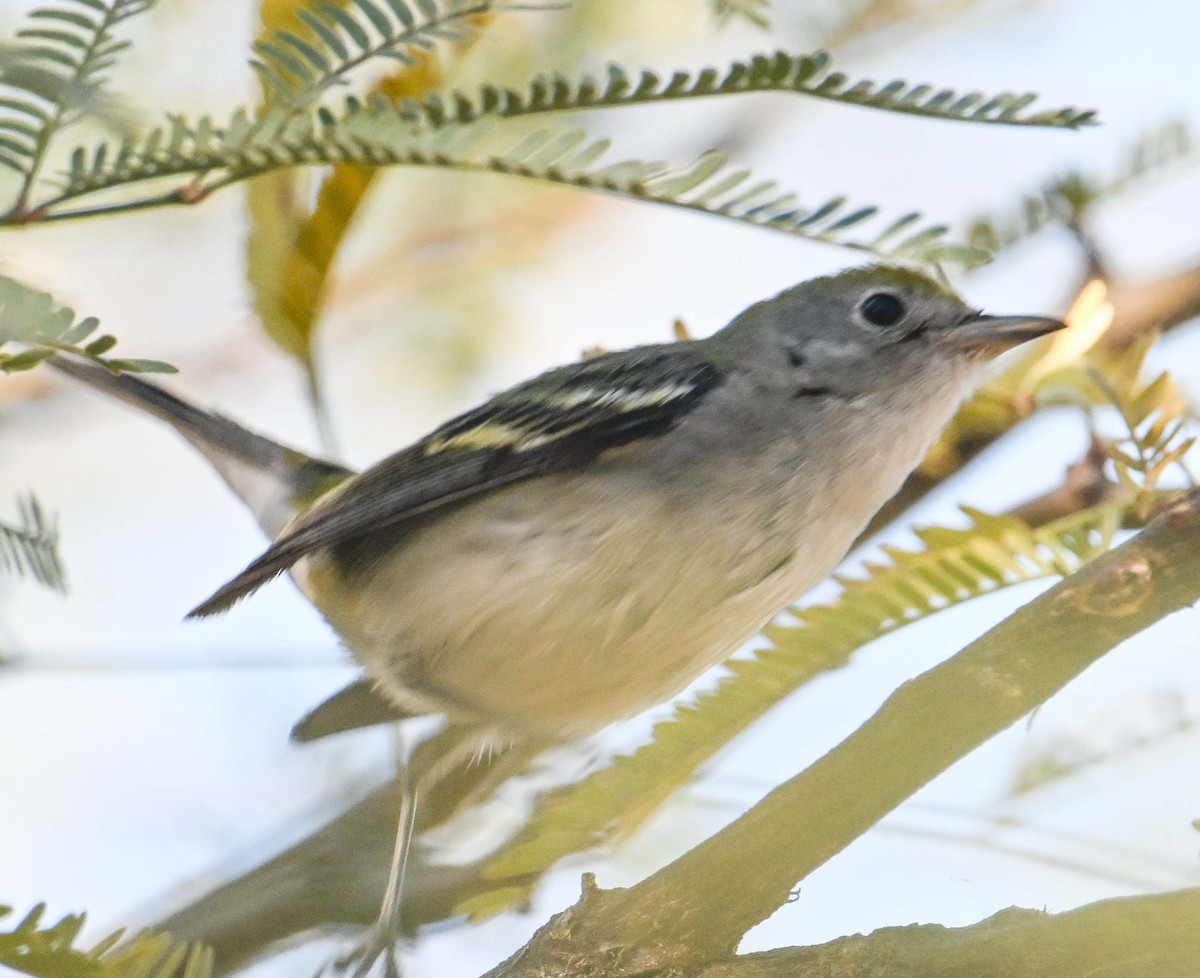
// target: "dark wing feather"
[[553, 423]]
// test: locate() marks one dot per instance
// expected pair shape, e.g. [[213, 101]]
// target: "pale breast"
[[564, 603]]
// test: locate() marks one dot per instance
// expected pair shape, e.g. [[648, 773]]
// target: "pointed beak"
[[995, 334]]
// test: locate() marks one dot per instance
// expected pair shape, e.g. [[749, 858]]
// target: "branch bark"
[[677, 921], [1159, 305], [1129, 937]]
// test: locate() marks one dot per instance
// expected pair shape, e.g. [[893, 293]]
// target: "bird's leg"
[[421, 770], [384, 936]]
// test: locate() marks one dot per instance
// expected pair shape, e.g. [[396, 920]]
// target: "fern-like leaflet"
[[49, 951], [297, 69], [953, 566], [804, 74], [1065, 200], [378, 134], [1159, 422], [54, 72], [30, 546], [42, 328]]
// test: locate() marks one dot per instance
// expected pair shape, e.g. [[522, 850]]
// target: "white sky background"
[[140, 752]]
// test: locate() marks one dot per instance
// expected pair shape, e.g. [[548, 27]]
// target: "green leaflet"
[[54, 74], [377, 134], [298, 67], [1066, 198], [953, 566], [755, 11], [30, 546], [48, 951], [43, 328], [803, 74]]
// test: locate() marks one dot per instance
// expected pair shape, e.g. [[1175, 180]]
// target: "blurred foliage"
[[29, 547], [49, 951], [291, 248], [855, 19], [43, 328], [54, 75], [1122, 730], [757, 12], [1066, 199]]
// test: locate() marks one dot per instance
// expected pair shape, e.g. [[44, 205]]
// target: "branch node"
[[589, 889], [193, 193]]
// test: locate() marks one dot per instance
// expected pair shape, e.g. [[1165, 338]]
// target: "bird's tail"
[[271, 479]]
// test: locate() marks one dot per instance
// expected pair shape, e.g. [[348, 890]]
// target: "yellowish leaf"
[[1088, 319]]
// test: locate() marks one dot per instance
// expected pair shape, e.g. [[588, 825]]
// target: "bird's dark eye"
[[882, 309]]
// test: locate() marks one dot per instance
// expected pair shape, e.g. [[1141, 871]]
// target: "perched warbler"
[[585, 544]]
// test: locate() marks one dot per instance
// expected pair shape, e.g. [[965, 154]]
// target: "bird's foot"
[[381, 941]]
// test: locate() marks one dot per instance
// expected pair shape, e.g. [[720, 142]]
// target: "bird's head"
[[872, 328]]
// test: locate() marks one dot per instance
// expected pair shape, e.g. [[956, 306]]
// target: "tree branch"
[[1161, 304], [1129, 937], [1085, 485], [677, 921]]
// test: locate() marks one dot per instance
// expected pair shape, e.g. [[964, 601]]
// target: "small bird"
[[585, 544]]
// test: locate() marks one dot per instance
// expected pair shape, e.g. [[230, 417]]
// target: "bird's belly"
[[563, 624], [564, 602]]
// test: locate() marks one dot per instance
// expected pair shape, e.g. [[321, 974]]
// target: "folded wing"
[[556, 422]]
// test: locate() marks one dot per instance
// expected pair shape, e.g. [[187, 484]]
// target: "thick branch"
[[677, 919], [1161, 304], [1085, 485], [1130, 937], [320, 882]]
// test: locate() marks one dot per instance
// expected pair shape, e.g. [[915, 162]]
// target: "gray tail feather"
[[270, 478]]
